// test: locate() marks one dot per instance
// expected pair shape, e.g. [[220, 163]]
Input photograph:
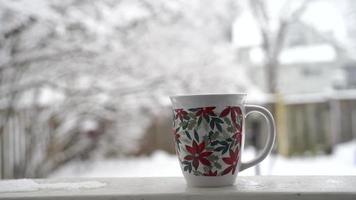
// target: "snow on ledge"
[[28, 185], [174, 188]]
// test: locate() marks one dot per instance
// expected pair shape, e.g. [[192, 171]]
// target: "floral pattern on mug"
[[208, 142]]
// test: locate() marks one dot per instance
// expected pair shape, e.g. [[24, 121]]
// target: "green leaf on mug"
[[186, 162], [206, 117], [229, 140], [191, 124], [188, 168], [191, 115], [188, 135], [184, 125], [214, 143], [196, 136], [225, 149], [209, 148], [213, 158], [218, 120], [218, 126], [186, 117], [230, 129], [213, 135], [227, 121], [193, 109], [197, 173], [221, 148], [224, 143], [199, 121], [212, 124], [217, 165], [206, 168], [226, 135]]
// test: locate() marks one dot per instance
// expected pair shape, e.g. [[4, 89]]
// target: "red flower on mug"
[[180, 113], [176, 135], [205, 111], [234, 112], [210, 173], [237, 136], [197, 154], [232, 161]]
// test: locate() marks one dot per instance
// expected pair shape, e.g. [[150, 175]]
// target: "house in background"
[[309, 62], [350, 69]]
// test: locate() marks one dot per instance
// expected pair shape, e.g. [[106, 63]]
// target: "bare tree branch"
[[273, 40]]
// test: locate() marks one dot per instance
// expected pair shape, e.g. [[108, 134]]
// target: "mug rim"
[[208, 95]]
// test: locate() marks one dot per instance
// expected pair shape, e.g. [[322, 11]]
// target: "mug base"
[[210, 181]]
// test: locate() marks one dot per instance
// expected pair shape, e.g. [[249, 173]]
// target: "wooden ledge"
[[253, 187]]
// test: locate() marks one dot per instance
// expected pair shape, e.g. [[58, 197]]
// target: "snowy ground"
[[342, 162]]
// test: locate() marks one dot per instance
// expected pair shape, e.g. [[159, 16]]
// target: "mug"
[[209, 132]]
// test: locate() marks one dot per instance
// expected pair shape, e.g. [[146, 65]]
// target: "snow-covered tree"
[[79, 76]]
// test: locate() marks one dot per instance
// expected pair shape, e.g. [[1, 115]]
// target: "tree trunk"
[[271, 76]]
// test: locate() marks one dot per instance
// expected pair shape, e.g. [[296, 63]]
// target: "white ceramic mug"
[[209, 132]]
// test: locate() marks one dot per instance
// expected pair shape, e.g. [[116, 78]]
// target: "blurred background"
[[84, 84]]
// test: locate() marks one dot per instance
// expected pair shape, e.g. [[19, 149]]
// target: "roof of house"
[[298, 54]]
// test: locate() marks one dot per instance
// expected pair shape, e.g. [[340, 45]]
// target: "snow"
[[158, 164], [245, 31], [24, 185], [328, 18], [320, 53], [161, 164], [298, 54], [27, 185], [342, 162]]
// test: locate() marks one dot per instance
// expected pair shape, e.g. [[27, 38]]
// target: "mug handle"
[[270, 137]]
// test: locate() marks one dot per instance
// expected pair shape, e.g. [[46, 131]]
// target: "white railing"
[[254, 187]]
